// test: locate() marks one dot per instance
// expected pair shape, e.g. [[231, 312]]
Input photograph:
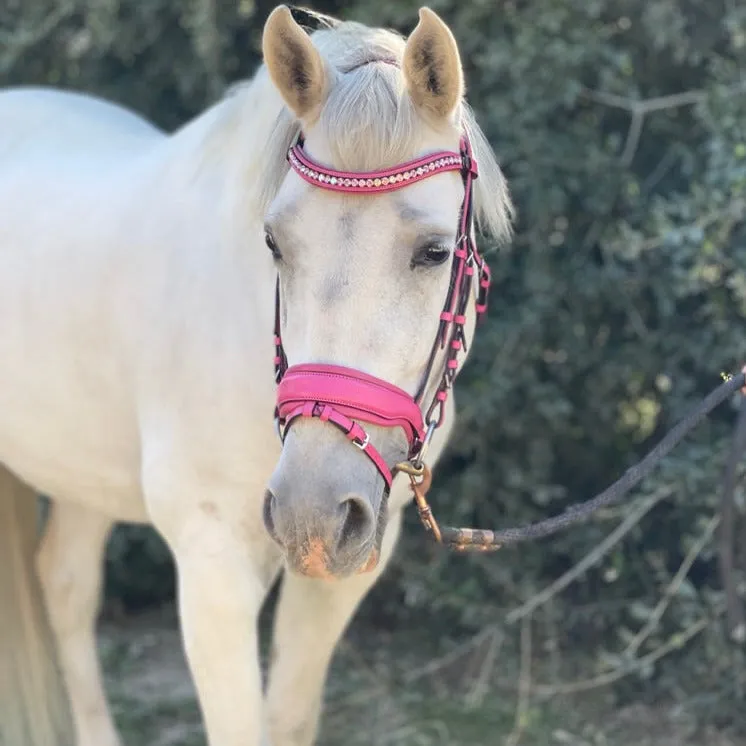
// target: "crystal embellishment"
[[373, 182]]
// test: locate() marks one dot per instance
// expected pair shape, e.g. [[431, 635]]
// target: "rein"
[[345, 397], [482, 540]]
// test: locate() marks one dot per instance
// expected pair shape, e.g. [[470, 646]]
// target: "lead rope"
[[481, 540]]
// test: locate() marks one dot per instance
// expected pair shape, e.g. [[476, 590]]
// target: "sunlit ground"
[[395, 687]]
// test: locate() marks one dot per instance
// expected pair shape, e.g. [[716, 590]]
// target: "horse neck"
[[227, 144], [212, 167], [202, 199]]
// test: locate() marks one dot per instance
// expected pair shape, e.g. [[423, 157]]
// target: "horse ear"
[[432, 67], [294, 64]]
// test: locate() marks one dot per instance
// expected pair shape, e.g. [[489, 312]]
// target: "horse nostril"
[[321, 537], [270, 502], [358, 522]]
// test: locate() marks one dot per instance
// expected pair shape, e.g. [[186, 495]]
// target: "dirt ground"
[[383, 692]]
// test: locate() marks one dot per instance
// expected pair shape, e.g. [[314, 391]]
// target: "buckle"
[[469, 165], [361, 444], [416, 459], [483, 289]]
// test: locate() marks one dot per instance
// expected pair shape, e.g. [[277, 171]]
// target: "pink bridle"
[[344, 396]]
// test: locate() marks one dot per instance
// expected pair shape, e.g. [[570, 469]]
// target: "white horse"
[[136, 383]]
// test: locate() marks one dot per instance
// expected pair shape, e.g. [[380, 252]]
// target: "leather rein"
[[346, 397]]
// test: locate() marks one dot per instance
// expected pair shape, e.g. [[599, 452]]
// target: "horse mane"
[[368, 120]]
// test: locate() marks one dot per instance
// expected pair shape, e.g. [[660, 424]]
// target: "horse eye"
[[271, 245], [430, 256]]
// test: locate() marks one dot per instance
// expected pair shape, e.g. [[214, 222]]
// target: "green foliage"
[[620, 303]]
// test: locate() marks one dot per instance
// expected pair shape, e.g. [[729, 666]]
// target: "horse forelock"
[[368, 121]]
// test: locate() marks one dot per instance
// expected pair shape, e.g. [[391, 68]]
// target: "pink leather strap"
[[341, 395], [354, 393], [349, 427], [386, 180]]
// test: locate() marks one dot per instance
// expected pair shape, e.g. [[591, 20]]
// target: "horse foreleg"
[[223, 559], [311, 617], [70, 566]]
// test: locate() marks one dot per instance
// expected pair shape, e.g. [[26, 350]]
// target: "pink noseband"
[[340, 395], [344, 396]]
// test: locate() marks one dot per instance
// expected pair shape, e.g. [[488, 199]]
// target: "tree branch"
[[647, 105], [675, 642], [672, 588], [524, 685], [17, 42], [639, 109], [592, 557]]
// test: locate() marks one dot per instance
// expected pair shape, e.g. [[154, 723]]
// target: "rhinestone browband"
[[378, 181]]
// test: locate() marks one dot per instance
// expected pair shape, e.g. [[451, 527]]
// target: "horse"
[[141, 276]]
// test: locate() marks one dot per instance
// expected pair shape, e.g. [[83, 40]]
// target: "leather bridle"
[[346, 397]]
